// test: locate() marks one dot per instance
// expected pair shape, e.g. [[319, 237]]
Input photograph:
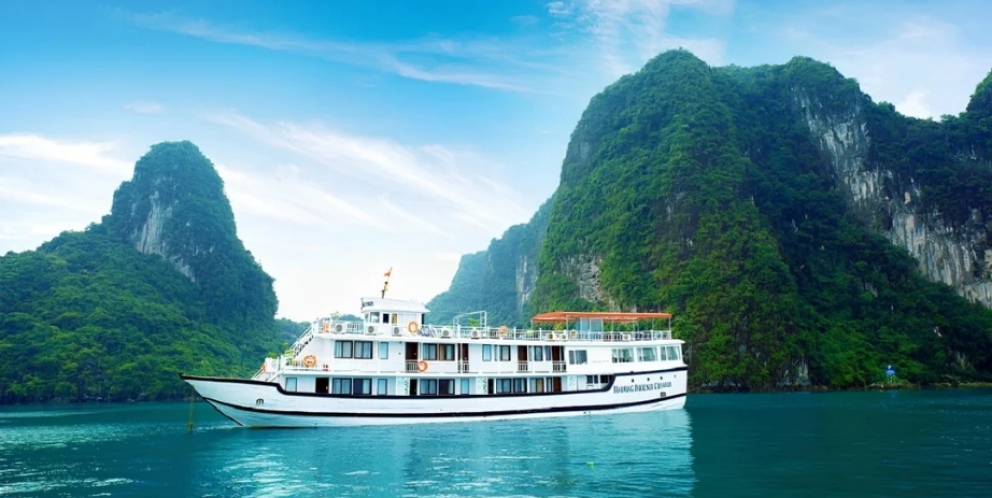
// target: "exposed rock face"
[[957, 255], [148, 237], [175, 207]]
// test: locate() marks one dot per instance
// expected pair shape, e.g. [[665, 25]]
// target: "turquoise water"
[[896, 443]]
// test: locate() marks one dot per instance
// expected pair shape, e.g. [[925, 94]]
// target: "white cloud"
[[452, 62], [927, 66], [39, 148], [429, 181], [627, 33], [144, 107]]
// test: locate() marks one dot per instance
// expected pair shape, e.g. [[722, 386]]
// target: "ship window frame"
[[366, 354], [382, 387], [509, 353], [574, 354], [663, 354], [520, 385], [383, 350], [628, 357], [361, 384], [446, 352], [536, 353], [678, 353], [651, 349], [339, 349], [446, 387], [503, 386], [338, 383], [429, 351], [537, 385], [465, 388], [487, 352], [291, 384], [427, 387]]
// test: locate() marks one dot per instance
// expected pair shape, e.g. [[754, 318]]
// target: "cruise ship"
[[393, 368]]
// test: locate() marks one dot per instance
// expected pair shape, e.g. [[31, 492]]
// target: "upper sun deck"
[[405, 320]]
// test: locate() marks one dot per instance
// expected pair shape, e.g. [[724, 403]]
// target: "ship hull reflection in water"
[[637, 454]]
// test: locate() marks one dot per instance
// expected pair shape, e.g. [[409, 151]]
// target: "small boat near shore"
[[393, 368]]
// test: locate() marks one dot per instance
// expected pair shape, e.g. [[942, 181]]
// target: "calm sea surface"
[[896, 443]]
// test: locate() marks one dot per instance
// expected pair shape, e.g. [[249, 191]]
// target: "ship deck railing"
[[495, 333]]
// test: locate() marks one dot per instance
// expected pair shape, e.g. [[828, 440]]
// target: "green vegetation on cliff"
[[705, 192], [87, 316]]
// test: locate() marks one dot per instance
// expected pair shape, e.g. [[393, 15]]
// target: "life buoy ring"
[[421, 366], [263, 367], [503, 331], [413, 327], [574, 334], [309, 360], [326, 327]]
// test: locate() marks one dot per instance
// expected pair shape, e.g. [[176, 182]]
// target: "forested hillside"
[[760, 206], [161, 285]]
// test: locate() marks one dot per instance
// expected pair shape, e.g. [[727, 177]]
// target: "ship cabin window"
[[361, 387], [428, 387], [355, 387], [623, 355], [673, 352], [374, 317], [430, 351], [487, 352], [577, 357], [439, 352], [383, 350], [382, 389], [446, 352], [537, 385], [465, 387], [291, 384], [396, 318], [446, 387], [519, 385], [503, 386], [504, 353], [385, 318], [536, 353], [363, 350], [353, 349], [341, 386], [647, 354], [344, 349], [664, 353]]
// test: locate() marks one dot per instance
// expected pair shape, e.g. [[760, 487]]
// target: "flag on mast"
[[385, 285]]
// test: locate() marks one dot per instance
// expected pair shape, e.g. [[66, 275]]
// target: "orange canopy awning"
[[564, 316]]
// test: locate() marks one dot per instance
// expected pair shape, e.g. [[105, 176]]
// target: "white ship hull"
[[264, 404]]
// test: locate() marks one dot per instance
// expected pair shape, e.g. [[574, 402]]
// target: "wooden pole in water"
[[189, 425]]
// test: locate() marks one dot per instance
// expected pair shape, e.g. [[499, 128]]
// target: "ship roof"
[[606, 316]]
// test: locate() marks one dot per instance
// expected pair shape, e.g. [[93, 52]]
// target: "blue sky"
[[357, 136]]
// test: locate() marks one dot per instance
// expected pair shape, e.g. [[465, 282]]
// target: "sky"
[[354, 137]]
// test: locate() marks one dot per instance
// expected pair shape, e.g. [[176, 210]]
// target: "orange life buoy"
[[263, 367], [309, 360], [503, 331], [413, 327], [421, 366]]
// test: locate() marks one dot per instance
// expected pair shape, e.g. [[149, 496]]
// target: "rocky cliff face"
[[499, 280], [763, 207], [175, 207], [958, 254]]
